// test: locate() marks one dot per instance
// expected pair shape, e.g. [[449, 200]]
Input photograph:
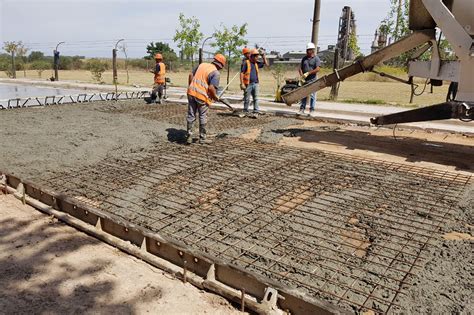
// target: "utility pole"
[[315, 33], [56, 62], [114, 63], [13, 65]]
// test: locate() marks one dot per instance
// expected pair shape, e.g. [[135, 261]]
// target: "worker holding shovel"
[[202, 91]]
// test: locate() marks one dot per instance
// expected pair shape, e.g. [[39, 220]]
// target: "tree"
[[353, 45], [13, 48], [228, 42], [188, 36], [396, 24], [124, 49], [40, 66], [397, 20], [21, 53], [168, 53], [35, 56], [97, 68]]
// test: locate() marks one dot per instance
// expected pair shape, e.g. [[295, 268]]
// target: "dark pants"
[[157, 89], [195, 107]]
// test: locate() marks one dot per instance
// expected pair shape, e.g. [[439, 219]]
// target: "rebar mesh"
[[349, 230], [219, 120]]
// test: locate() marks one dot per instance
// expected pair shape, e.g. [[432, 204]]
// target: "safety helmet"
[[254, 52], [310, 46], [158, 57], [220, 59], [246, 50]]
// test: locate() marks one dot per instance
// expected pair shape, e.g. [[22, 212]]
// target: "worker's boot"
[[189, 137], [159, 101], [153, 98], [203, 135]]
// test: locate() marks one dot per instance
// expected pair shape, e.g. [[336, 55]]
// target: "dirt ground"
[[314, 181], [48, 267]]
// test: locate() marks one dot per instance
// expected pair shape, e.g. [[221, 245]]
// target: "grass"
[[367, 88]]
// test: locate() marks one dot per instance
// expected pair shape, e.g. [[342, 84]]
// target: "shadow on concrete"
[[28, 285], [177, 135], [411, 149]]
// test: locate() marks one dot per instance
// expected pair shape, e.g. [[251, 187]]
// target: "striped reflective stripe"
[[199, 86], [202, 83]]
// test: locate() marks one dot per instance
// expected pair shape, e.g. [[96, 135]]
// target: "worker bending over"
[[158, 87], [249, 78], [309, 68], [202, 90]]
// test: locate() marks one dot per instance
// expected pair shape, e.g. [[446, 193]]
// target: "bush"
[[40, 66], [97, 68], [140, 64]]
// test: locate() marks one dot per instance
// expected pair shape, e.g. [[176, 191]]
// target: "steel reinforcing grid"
[[349, 230]]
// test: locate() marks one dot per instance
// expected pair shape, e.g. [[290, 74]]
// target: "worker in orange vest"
[[202, 91], [249, 78], [160, 72]]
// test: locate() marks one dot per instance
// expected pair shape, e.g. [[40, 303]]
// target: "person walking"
[[309, 68], [159, 81], [202, 91], [249, 79]]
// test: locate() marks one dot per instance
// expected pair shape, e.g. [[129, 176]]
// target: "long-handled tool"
[[226, 104], [227, 86]]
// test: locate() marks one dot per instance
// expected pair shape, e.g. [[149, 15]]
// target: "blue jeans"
[[252, 89], [311, 102]]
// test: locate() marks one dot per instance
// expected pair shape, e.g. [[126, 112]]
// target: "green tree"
[[188, 36], [169, 56], [353, 45], [40, 66], [228, 42], [13, 48], [21, 53], [396, 25], [97, 68], [35, 55], [396, 22]]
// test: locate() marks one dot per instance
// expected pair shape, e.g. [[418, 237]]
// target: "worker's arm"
[[265, 60], [190, 78], [315, 70], [213, 92], [243, 68]]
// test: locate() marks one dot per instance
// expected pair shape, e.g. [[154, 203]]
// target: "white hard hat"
[[310, 46]]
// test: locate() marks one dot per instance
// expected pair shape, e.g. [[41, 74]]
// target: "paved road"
[[357, 113]]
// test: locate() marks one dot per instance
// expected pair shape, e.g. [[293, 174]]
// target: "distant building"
[[294, 55]]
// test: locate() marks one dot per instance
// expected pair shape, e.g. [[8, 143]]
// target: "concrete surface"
[[47, 267]]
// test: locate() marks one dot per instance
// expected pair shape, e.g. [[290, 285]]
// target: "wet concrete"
[[349, 230]]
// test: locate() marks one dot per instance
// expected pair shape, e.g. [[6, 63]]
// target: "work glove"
[[243, 87]]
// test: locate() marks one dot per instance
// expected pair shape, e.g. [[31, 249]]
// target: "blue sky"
[[90, 28]]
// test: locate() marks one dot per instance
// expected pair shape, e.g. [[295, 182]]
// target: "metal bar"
[[409, 42], [441, 111]]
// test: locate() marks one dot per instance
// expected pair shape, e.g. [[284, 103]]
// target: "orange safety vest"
[[246, 78], [199, 87], [160, 76]]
